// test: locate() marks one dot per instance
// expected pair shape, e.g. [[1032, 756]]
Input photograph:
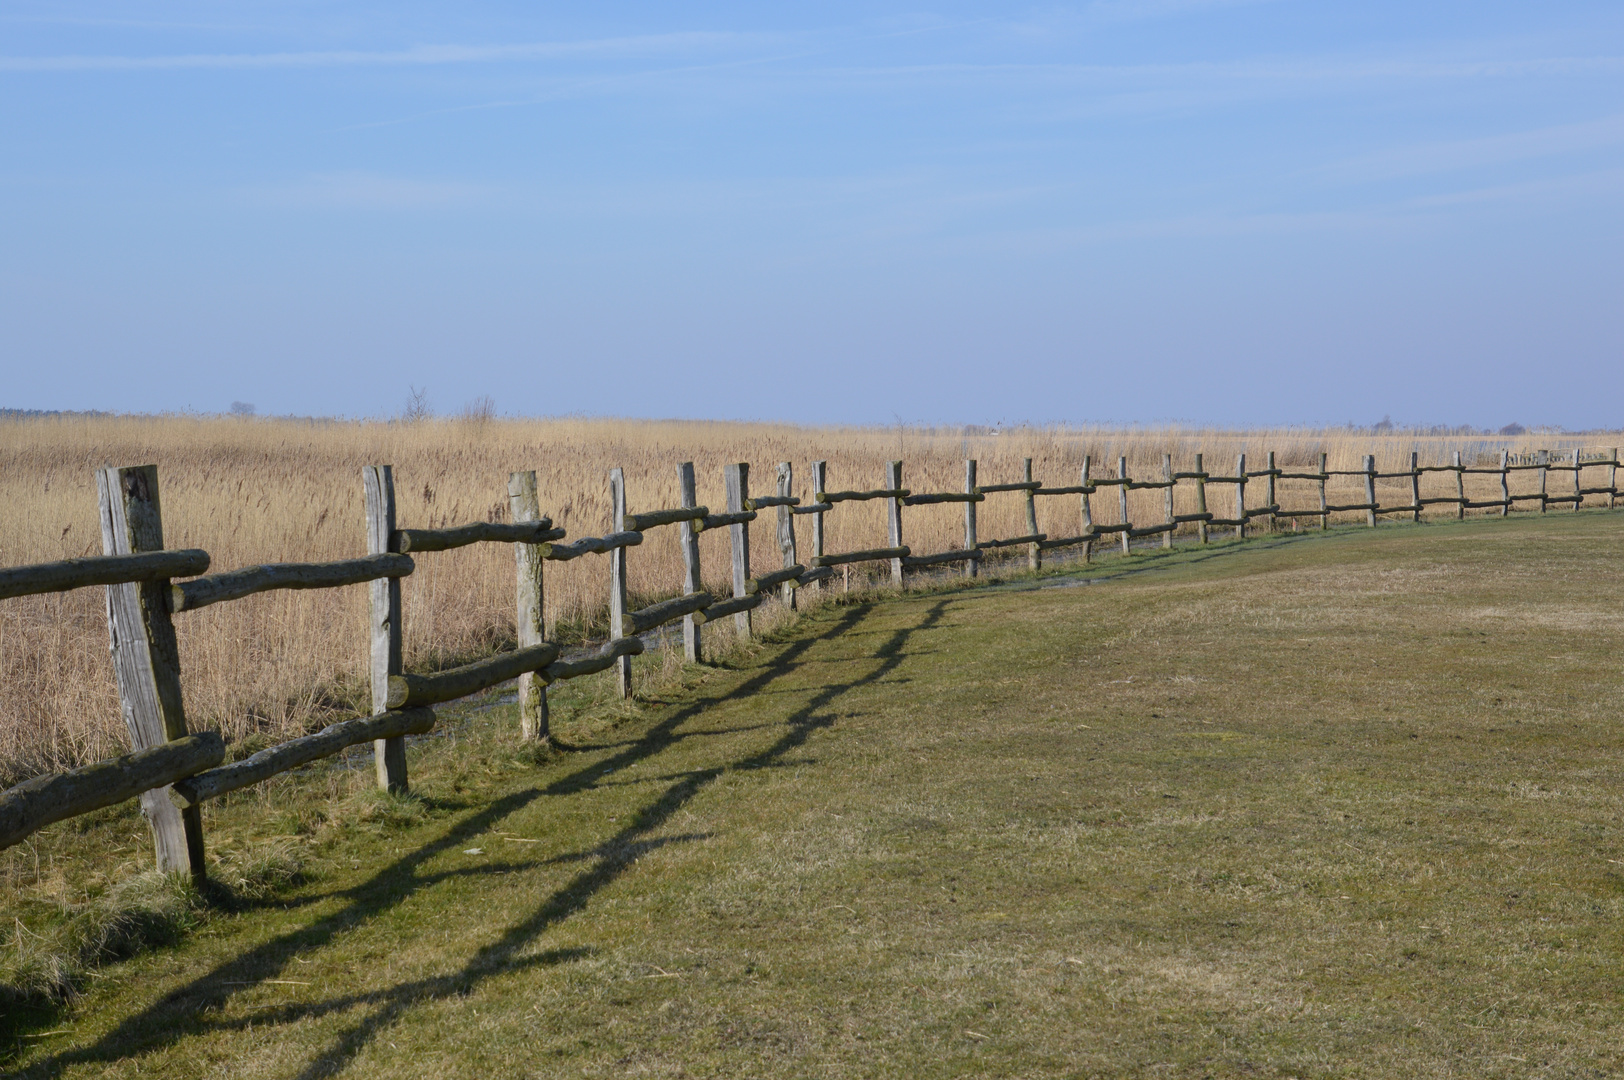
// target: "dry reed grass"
[[252, 491]]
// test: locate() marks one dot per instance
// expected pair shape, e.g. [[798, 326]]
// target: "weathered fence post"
[[1268, 495], [1578, 497], [971, 567], [786, 529], [146, 659], [893, 516], [1088, 511], [1200, 497], [691, 645], [524, 504], [1460, 488], [1240, 497], [1612, 478], [1415, 485], [820, 474], [1122, 500], [1544, 460], [738, 490], [1034, 553], [1167, 477], [1325, 515], [1370, 490], [617, 582], [1505, 483], [388, 755]]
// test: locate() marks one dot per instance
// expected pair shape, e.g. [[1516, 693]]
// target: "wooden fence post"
[[1544, 460], [1612, 478], [524, 504], [970, 565], [1268, 494], [617, 583], [1415, 485], [1460, 488], [820, 475], [1240, 497], [1577, 497], [786, 529], [692, 648], [1167, 476], [738, 490], [146, 659], [1088, 511], [893, 517], [1505, 483], [1034, 553], [1370, 489], [1200, 497], [1122, 500], [388, 755], [1325, 515]]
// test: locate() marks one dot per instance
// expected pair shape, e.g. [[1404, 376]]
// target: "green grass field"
[[1321, 806]]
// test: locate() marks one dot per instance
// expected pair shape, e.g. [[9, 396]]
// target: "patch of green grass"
[[1312, 806]]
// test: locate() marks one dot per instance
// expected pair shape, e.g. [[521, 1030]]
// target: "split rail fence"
[[173, 770]]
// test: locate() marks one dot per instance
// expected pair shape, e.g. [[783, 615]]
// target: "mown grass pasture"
[[1339, 805]]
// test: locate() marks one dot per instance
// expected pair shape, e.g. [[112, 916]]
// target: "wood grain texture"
[[1240, 497], [1203, 517], [236, 584], [524, 507], [1087, 508], [737, 478], [1167, 497], [786, 531], [604, 658], [966, 555], [1034, 552], [388, 754], [36, 803], [618, 624], [893, 519], [692, 636], [820, 476], [645, 619], [479, 532], [971, 567], [53, 577], [591, 545], [655, 518], [301, 751], [406, 691], [860, 496], [935, 497], [1122, 502], [146, 660], [871, 555]]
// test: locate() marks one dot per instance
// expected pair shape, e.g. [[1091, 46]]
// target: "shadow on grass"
[[187, 1010]]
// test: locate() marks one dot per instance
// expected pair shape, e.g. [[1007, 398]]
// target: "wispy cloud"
[[1134, 10], [643, 45], [1447, 156], [368, 191]]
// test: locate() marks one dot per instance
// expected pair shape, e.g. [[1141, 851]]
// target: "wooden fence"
[[173, 770]]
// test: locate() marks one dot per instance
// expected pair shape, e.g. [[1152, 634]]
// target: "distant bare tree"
[[417, 405], [242, 408], [479, 412]]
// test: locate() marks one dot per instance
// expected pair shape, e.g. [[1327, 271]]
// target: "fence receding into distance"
[[173, 770]]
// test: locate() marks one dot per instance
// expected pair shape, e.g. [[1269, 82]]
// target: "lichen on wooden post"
[[146, 659], [786, 528]]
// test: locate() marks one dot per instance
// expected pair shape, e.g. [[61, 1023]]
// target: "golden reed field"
[[267, 490]]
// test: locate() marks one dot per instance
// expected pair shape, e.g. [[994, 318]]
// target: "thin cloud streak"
[[418, 55], [1475, 153]]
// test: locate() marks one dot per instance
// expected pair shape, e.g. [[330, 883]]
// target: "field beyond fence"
[[279, 664]]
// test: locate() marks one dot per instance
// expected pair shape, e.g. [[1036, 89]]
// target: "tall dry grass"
[[251, 491]]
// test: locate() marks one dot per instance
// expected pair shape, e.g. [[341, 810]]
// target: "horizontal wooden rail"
[[1074, 489], [1226, 479], [591, 545], [1110, 481], [943, 497], [1350, 506], [721, 521], [295, 752], [1260, 511], [872, 555], [1104, 530], [817, 573], [34, 804], [645, 619], [1034, 538], [777, 577], [406, 541], [1471, 505], [1262, 472], [860, 496], [236, 584], [1190, 475], [1145, 485], [723, 608], [1067, 541], [100, 570], [942, 557], [655, 518], [1153, 530], [764, 501], [408, 690], [1303, 476], [1180, 519], [814, 508], [601, 660], [1021, 485], [1231, 522]]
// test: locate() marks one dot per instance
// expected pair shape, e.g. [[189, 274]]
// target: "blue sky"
[[1124, 211]]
